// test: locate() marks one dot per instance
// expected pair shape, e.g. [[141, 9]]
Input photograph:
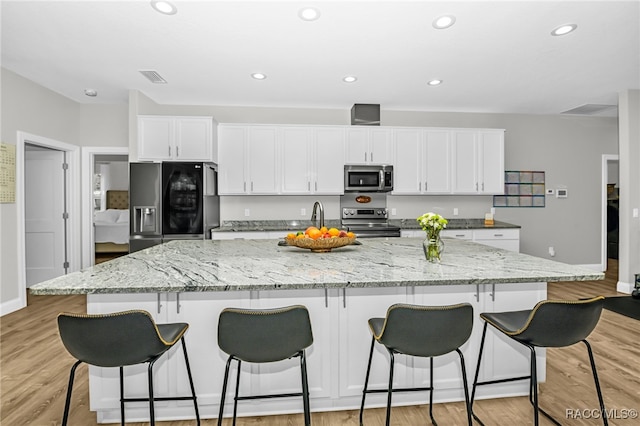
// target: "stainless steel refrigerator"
[[171, 200]]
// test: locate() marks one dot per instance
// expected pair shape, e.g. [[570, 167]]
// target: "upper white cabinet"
[[422, 161], [369, 145], [168, 138], [247, 160], [478, 161], [269, 159]]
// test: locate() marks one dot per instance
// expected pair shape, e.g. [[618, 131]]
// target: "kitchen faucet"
[[313, 214]]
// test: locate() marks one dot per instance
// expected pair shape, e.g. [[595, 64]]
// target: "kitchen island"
[[192, 281]]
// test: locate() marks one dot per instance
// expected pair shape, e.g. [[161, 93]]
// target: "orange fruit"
[[324, 230], [351, 234], [310, 229], [334, 232], [300, 236], [291, 235], [314, 233]]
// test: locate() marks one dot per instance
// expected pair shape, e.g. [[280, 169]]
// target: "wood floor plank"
[[34, 370]]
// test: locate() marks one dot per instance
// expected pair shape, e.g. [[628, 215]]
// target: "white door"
[[45, 244]]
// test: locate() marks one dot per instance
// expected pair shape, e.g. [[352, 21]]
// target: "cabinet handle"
[[476, 186], [251, 186], [244, 186], [316, 185], [419, 186], [177, 151], [177, 303], [344, 297], [326, 298], [169, 151], [493, 292], [159, 304], [459, 235], [477, 292], [425, 185], [482, 186], [498, 235], [365, 157], [371, 156], [308, 186]]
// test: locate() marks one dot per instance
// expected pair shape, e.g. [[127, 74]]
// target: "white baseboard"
[[626, 288], [11, 306], [593, 266]]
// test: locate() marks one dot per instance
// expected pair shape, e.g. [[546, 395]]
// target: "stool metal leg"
[[72, 375], [431, 391], [603, 410], [390, 389], [122, 396], [224, 389], [193, 389], [235, 400], [305, 389], [366, 380], [475, 378], [466, 387], [152, 414]]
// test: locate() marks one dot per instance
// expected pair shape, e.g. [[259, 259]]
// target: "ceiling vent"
[[153, 76], [365, 114], [590, 109]]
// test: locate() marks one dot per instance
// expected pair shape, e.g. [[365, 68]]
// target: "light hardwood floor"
[[34, 367]]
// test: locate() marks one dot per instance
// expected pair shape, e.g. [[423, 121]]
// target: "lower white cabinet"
[[504, 238], [336, 361]]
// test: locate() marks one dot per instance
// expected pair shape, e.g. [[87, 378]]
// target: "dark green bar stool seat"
[[421, 331], [550, 324], [265, 335], [118, 340]]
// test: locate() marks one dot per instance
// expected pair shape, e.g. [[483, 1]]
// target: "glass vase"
[[433, 248]]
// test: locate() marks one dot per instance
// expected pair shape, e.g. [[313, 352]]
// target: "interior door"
[[45, 244]]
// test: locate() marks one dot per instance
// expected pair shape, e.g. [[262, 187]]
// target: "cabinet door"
[[284, 376], [437, 163], [491, 164], [232, 168], [329, 161], [447, 374], [295, 144], [201, 311], [155, 138], [507, 239], [381, 146], [262, 164], [104, 383], [354, 312], [193, 139], [357, 145], [503, 357], [465, 168], [407, 171]]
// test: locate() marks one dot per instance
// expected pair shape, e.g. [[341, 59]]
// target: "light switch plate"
[[562, 193]]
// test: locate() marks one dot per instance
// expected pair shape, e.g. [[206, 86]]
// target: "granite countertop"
[[230, 265], [291, 225]]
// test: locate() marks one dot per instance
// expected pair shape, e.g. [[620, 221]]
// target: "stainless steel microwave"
[[371, 178]]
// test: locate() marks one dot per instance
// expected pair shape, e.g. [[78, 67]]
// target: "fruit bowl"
[[321, 245]]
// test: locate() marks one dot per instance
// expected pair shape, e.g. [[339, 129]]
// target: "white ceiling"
[[498, 57]]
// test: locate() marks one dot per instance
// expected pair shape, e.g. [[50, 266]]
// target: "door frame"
[[73, 204], [88, 168], [606, 158]]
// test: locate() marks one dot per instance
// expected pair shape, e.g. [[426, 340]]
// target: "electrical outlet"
[[393, 212], [493, 210], [247, 212], [552, 252], [455, 211], [303, 212]]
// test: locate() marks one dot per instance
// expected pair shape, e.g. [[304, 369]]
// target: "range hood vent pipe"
[[365, 115]]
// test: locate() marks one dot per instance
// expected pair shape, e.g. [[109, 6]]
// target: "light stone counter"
[[231, 265]]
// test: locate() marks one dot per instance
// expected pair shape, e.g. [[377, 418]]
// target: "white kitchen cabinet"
[[167, 138], [508, 239], [369, 145], [422, 161], [478, 161], [247, 160], [312, 160]]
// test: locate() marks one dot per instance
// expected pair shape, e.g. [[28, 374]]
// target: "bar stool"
[[550, 324], [265, 335], [421, 331], [118, 340]]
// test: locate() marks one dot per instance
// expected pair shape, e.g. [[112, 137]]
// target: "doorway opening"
[[610, 218]]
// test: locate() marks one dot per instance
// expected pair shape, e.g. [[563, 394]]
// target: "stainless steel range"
[[365, 213]]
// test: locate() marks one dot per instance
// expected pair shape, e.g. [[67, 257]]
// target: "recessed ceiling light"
[[434, 82], [165, 7], [564, 29], [309, 13], [350, 79], [258, 76], [444, 21], [91, 92]]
